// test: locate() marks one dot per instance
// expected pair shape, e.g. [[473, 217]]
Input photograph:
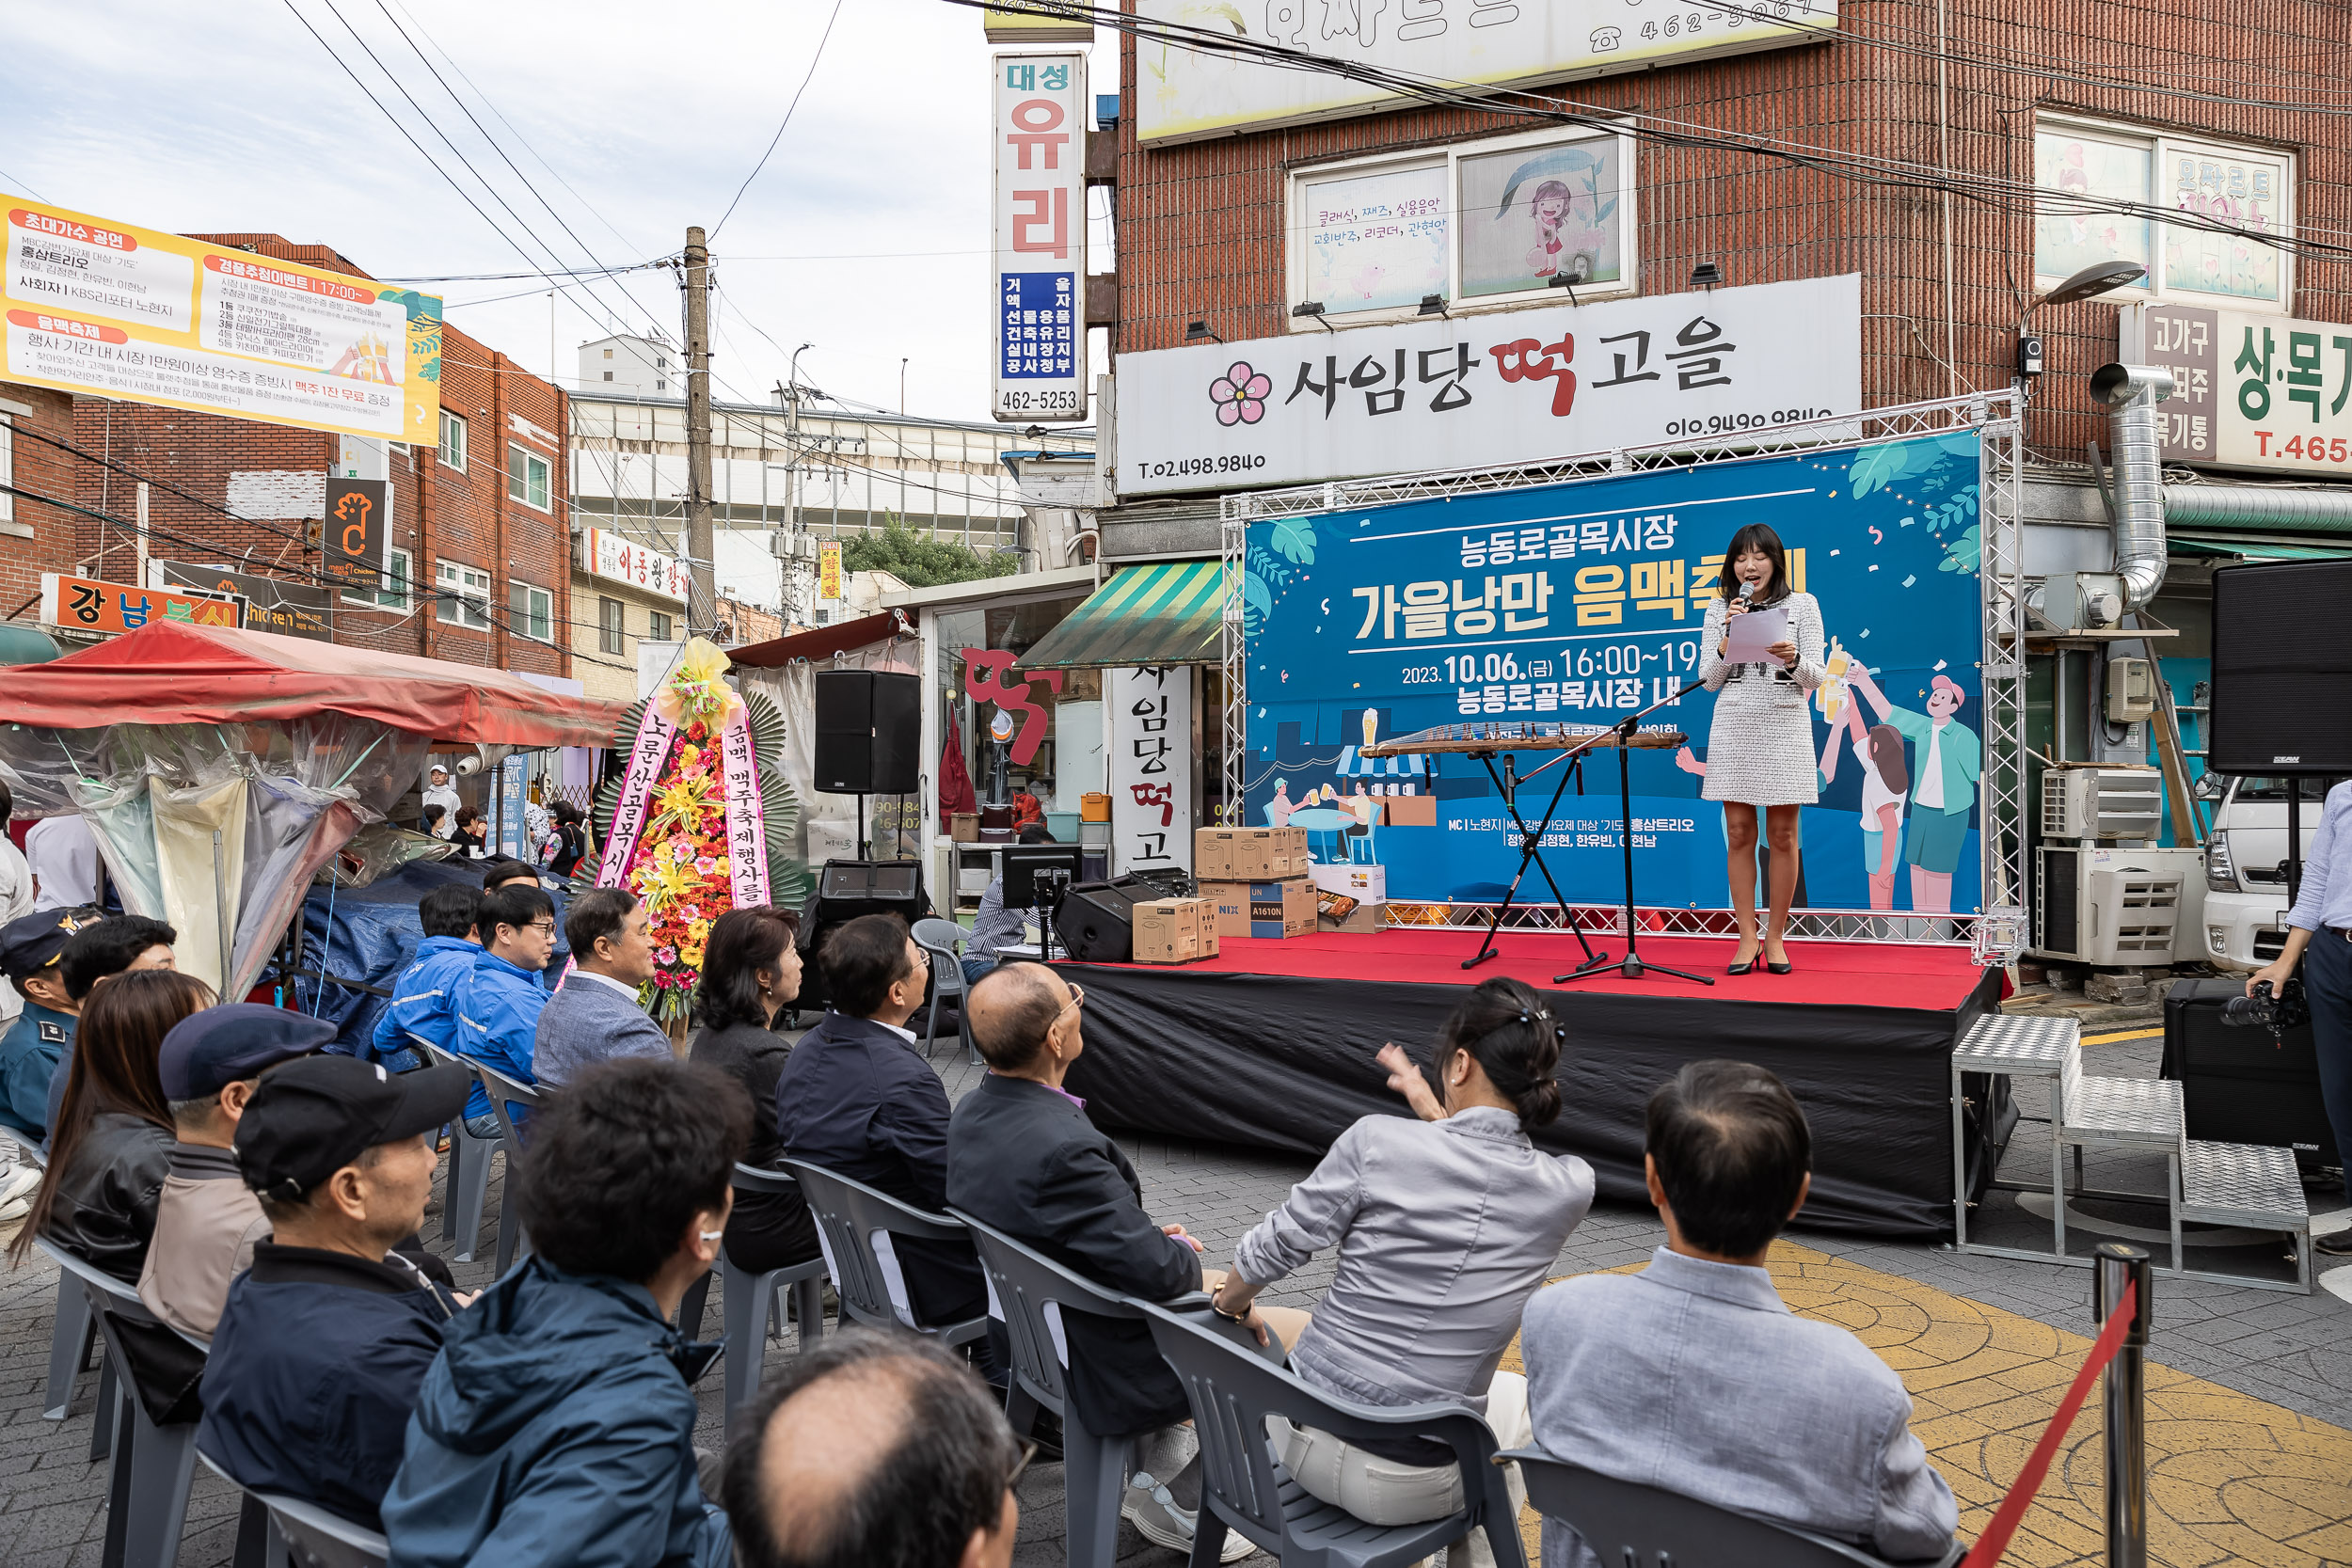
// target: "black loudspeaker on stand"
[[2281, 666], [868, 735]]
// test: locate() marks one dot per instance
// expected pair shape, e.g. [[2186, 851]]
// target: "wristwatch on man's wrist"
[[1240, 1317]]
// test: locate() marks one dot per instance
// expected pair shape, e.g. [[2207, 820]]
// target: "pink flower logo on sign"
[[1240, 394]]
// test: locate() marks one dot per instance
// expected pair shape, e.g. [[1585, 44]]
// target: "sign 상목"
[[1487, 390], [1582, 603], [1038, 214], [2248, 390], [623, 560], [111, 608], [828, 572], [1491, 45], [1150, 758], [110, 311], [355, 526], [272, 604]]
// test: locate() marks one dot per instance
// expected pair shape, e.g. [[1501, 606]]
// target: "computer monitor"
[[1024, 861]]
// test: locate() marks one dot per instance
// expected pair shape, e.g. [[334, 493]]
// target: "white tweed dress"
[[1759, 747]]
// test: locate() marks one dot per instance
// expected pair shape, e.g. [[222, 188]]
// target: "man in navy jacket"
[[857, 1098], [316, 1365]]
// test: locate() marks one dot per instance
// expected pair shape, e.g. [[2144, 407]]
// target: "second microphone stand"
[[1630, 966]]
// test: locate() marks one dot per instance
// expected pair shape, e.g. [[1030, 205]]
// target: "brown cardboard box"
[[1249, 854], [964, 827], [1204, 910], [1283, 906], [1166, 931]]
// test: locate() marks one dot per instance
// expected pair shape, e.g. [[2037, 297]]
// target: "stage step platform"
[[2247, 1186]]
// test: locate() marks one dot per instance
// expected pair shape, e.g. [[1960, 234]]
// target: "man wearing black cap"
[[43, 1032], [208, 1220], [315, 1365]]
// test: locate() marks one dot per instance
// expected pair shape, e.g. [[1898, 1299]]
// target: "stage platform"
[[1270, 1045]]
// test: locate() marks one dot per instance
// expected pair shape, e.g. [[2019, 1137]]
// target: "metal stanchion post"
[[2117, 1265]]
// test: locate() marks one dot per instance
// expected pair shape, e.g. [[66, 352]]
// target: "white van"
[[2246, 866]]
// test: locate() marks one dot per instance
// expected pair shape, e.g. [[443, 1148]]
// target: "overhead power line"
[[746, 185]]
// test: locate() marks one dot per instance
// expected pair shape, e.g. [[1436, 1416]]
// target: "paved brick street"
[[2250, 1457]]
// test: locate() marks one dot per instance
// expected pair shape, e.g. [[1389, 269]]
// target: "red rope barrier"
[[1994, 1541]]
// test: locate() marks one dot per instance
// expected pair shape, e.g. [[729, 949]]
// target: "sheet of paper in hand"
[[1752, 633]]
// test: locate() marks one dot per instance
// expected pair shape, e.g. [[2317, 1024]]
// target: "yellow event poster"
[[112, 312], [829, 570]]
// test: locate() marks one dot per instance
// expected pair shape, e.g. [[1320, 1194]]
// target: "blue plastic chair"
[[1244, 1486], [1622, 1520]]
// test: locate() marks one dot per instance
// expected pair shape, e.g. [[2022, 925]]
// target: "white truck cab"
[[2246, 866]]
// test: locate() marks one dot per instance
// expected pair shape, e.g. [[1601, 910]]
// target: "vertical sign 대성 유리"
[[1151, 722], [1039, 219]]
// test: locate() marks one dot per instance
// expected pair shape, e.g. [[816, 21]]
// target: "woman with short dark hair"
[[751, 972], [570, 843], [111, 1147], [1429, 1286]]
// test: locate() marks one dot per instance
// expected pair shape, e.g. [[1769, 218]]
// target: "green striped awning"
[[2259, 550], [1169, 612]]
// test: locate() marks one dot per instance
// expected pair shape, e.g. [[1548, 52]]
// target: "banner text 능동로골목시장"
[[1582, 603]]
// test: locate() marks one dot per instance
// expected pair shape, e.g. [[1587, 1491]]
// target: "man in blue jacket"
[[556, 1427], [315, 1364], [499, 999], [425, 998]]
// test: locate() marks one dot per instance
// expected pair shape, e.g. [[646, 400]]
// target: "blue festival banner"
[[1582, 603]]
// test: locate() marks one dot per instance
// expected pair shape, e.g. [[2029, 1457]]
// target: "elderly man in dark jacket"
[[317, 1358], [1023, 1158], [557, 1425]]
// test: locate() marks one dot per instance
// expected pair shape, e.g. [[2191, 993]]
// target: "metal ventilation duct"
[[2133, 391]]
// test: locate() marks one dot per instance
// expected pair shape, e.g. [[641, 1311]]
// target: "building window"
[[465, 595], [526, 475], [452, 440], [660, 362], [611, 625], [2234, 200], [1488, 223], [658, 628], [608, 375], [532, 610], [659, 385], [398, 566], [608, 354]]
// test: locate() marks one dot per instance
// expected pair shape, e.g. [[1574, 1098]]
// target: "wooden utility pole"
[[702, 611]]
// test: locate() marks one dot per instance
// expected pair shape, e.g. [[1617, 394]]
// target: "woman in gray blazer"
[[1428, 1289]]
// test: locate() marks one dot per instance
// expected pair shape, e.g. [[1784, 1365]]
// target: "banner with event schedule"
[[1582, 603], [110, 311]]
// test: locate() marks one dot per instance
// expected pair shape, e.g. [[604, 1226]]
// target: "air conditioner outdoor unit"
[[2102, 802], [2114, 906]]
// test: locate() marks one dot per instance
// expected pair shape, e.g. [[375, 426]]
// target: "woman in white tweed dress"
[[1759, 748]]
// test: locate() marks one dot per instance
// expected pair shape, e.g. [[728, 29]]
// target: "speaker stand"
[[861, 825]]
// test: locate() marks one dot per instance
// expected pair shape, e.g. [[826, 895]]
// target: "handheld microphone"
[[1747, 592]]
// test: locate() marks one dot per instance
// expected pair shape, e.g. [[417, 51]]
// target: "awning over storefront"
[[823, 642], [1169, 612], [2258, 549]]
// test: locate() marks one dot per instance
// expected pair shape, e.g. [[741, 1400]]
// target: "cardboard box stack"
[[1257, 879], [1175, 930]]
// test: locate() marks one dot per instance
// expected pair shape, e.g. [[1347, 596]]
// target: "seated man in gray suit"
[[1694, 1377], [594, 1016]]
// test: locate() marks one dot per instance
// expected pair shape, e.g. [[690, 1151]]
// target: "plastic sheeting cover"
[[199, 862]]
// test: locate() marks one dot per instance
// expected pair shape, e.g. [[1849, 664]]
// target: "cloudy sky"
[[865, 234]]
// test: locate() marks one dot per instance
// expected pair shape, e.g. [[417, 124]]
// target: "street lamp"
[[2098, 278]]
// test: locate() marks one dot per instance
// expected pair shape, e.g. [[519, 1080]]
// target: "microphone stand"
[[1630, 967]]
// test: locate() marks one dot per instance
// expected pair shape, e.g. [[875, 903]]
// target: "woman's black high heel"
[[1747, 968], [1781, 968]]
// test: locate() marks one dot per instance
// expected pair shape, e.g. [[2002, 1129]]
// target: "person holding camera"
[[2319, 936]]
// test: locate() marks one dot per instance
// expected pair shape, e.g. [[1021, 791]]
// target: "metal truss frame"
[[1995, 936]]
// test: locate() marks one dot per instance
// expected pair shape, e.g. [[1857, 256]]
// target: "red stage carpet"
[[1874, 975]]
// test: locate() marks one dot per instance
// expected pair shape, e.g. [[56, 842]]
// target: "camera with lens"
[[2279, 1012]]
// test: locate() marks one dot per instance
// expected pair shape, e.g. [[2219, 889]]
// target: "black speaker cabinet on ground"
[[2238, 1085], [2282, 669], [1096, 923], [870, 732]]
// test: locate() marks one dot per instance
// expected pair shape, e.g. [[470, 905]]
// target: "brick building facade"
[[480, 541], [35, 536], [1202, 225]]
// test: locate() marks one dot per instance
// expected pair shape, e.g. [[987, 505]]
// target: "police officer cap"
[[205, 1053], [312, 1117], [31, 943]]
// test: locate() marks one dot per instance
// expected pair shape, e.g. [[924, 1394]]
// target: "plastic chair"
[[304, 1535], [503, 1092], [939, 938], [259, 1546], [149, 1467], [848, 1214], [1025, 1283], [1244, 1486], [468, 1190], [70, 1330], [753, 1298], [1648, 1524]]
